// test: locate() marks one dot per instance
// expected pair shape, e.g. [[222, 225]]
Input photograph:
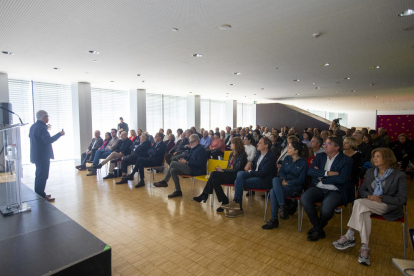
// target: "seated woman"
[[403, 149], [133, 135], [266, 132], [383, 192], [166, 137], [367, 139], [289, 183], [211, 134], [216, 148], [223, 135], [283, 154], [237, 162], [249, 148], [350, 145], [170, 143], [307, 137]]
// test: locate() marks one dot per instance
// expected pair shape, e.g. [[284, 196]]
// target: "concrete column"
[[4, 88], [231, 113], [193, 111], [82, 117], [138, 109]]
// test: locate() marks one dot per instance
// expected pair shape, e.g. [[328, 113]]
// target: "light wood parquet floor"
[[153, 235]]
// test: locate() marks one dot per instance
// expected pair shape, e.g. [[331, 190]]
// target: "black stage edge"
[[47, 242]]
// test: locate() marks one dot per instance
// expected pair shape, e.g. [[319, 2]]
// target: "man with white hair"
[[41, 151]]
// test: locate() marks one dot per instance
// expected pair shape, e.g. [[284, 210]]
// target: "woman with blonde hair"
[[350, 145], [133, 134], [237, 162], [384, 192]]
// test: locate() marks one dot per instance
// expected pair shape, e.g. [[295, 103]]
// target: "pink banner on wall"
[[397, 124]]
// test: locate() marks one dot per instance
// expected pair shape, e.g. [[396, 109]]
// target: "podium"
[[11, 170]]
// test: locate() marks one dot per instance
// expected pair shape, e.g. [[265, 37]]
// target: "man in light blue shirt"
[[206, 140]]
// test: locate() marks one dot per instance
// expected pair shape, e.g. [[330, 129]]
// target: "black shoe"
[[248, 193], [316, 235], [110, 175], [310, 232], [291, 207], [219, 210], [271, 224], [98, 166], [128, 177], [175, 194], [283, 213], [140, 184], [203, 197]]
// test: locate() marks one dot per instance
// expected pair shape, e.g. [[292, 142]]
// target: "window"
[[249, 118], [107, 106], [217, 114], [154, 113], [205, 114], [20, 96], [56, 100], [239, 114], [175, 113]]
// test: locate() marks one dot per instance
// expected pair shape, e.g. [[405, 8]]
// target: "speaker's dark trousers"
[[42, 174]]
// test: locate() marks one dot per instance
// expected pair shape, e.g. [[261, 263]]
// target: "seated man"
[[331, 185], [123, 149], [228, 139], [206, 140], [377, 141], [104, 153], [316, 145], [256, 175], [185, 148], [276, 147], [155, 157], [138, 152], [96, 143], [180, 139], [194, 164]]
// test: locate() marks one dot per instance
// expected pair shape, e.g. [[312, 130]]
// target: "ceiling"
[[270, 43]]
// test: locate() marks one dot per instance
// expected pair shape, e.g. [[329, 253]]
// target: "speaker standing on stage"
[[41, 151]]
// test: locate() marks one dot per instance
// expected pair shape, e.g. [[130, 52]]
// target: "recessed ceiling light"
[[225, 27], [174, 29], [138, 75], [371, 84], [296, 80], [406, 13], [231, 84], [255, 94], [347, 78], [197, 55], [56, 68], [95, 61], [277, 68], [226, 96], [353, 91], [325, 64], [112, 81], [262, 88], [245, 96], [94, 52], [7, 53], [313, 82], [190, 92], [236, 73], [317, 87], [143, 81], [375, 67], [227, 93], [297, 94]]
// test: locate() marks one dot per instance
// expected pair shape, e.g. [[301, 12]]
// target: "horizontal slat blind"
[[205, 114], [154, 113], [239, 114], [175, 113], [218, 114], [248, 118]]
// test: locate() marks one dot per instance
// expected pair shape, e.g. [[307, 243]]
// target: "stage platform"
[[45, 241]]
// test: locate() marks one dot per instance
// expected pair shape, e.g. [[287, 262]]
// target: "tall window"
[[175, 113], [20, 95], [56, 100], [218, 114], [205, 114], [239, 114], [248, 116], [154, 113], [107, 107]]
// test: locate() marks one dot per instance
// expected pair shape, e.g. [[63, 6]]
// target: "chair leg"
[[250, 198], [192, 188], [341, 221], [228, 192], [299, 226], [301, 220], [266, 202], [212, 199], [404, 241]]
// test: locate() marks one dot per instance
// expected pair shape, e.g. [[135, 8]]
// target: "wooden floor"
[[153, 235]]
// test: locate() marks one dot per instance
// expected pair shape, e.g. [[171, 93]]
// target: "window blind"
[[20, 96], [154, 113], [205, 114], [175, 113], [240, 114], [56, 100], [248, 118], [218, 114], [107, 107]]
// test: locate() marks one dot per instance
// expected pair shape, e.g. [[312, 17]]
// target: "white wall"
[[361, 119]]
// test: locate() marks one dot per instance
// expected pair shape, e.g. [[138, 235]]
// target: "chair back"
[[227, 155], [212, 163]]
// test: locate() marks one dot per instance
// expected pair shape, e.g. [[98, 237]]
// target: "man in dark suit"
[[331, 185], [193, 164], [139, 151], [155, 157], [41, 151], [96, 143], [256, 175]]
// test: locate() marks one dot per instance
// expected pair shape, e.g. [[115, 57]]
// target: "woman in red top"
[[217, 147], [133, 135]]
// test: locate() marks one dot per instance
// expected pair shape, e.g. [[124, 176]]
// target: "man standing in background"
[[41, 151], [122, 126]]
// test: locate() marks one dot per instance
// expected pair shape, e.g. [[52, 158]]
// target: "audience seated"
[[205, 140], [228, 139], [132, 135], [193, 164], [179, 133], [139, 151], [350, 146], [194, 130], [216, 148], [170, 142], [348, 133], [223, 135], [256, 136], [403, 149], [256, 175], [364, 130], [176, 147], [331, 185], [330, 132], [237, 161], [96, 143], [384, 192], [123, 149], [283, 153], [167, 135], [307, 137], [383, 133], [137, 140], [211, 134], [249, 148], [228, 130], [316, 132], [289, 183], [150, 137], [266, 132], [276, 147], [377, 141], [367, 139], [315, 148], [185, 147], [363, 148], [155, 158], [324, 135], [104, 153]]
